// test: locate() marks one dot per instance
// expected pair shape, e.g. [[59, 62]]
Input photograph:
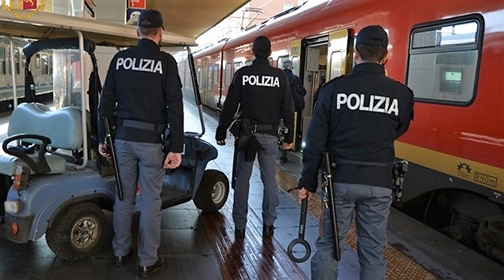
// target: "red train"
[[449, 52]]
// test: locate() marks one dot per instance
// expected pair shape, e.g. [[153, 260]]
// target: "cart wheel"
[[212, 192], [78, 232]]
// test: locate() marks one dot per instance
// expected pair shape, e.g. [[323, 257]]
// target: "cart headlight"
[[12, 207]]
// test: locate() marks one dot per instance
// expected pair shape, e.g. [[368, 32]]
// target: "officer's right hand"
[[286, 146], [102, 149], [221, 142], [304, 193], [172, 160]]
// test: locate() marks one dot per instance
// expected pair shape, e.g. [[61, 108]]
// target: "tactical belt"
[[364, 163], [143, 125]]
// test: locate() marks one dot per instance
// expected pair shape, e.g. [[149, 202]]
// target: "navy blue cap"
[[150, 19], [261, 44], [373, 35]]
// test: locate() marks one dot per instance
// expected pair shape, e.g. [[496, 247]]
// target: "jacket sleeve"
[[108, 99], [406, 117], [316, 141], [229, 108], [174, 107]]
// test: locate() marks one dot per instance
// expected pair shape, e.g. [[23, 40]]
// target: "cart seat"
[[35, 123]]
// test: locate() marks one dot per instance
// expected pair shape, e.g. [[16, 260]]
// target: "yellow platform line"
[[400, 267]]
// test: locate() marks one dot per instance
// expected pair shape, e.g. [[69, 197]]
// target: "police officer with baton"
[[356, 120]]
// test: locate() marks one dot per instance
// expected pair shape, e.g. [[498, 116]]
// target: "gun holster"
[[236, 129]]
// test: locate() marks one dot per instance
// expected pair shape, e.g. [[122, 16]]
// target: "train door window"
[[3, 64], [444, 60], [50, 65], [248, 62], [209, 80], [45, 64], [199, 75], [336, 64], [237, 65], [281, 60], [216, 74], [17, 61], [228, 71], [37, 62], [295, 65]]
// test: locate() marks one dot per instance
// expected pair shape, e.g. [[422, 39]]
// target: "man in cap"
[[263, 96], [142, 91], [356, 120]]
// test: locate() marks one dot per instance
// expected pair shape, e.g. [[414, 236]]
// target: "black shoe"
[[120, 261], [240, 233], [146, 271], [268, 231]]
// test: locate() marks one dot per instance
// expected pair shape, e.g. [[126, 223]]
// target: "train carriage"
[[449, 53]]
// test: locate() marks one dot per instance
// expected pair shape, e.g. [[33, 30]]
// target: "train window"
[[443, 60], [45, 64], [216, 74], [270, 60], [228, 71], [2, 61], [248, 62], [237, 65]]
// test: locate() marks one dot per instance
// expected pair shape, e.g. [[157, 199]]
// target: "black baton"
[[332, 206], [300, 240], [111, 149]]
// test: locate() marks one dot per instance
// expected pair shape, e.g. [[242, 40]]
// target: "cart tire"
[[212, 192], [78, 232]]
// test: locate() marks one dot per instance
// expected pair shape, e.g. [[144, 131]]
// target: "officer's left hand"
[[221, 142], [172, 160], [287, 146]]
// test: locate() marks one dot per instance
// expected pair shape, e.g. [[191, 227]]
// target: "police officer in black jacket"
[[357, 119], [263, 95], [144, 89]]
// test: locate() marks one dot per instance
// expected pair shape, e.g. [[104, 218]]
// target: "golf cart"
[[54, 182]]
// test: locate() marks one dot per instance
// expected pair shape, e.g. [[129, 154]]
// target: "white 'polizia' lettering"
[[142, 64], [373, 103], [265, 81]]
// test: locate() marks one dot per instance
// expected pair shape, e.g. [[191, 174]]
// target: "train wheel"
[[212, 192], [78, 232]]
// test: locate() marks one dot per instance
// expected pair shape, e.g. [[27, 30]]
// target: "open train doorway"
[[323, 57]]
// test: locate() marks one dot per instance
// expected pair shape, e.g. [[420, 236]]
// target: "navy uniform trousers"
[[267, 162], [142, 163]]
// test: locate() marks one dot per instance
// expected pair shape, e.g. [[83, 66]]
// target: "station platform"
[[198, 245]]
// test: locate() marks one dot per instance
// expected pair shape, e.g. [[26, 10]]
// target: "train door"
[[325, 57]]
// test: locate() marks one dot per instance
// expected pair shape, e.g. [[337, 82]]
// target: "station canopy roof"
[[192, 18], [184, 20]]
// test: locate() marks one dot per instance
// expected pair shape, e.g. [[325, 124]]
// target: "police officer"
[[357, 119], [144, 89], [262, 93]]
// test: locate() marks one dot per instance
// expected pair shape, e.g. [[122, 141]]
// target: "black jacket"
[[263, 94], [144, 83], [357, 117]]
